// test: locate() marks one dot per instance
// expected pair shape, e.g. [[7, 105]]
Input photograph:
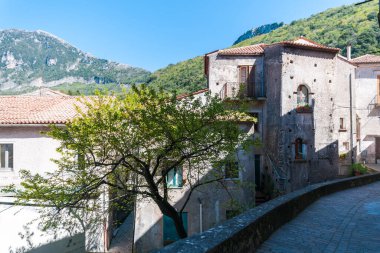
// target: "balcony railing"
[[375, 102], [236, 90]]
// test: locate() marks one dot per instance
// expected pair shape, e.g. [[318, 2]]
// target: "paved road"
[[347, 221]]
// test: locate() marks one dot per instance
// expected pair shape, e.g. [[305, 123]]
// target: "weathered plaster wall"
[[224, 69], [214, 198], [327, 79], [32, 151], [366, 82]]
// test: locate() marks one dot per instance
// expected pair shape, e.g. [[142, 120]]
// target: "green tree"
[[129, 144]]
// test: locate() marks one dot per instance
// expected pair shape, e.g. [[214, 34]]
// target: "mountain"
[[29, 59], [258, 31], [334, 27], [183, 77]]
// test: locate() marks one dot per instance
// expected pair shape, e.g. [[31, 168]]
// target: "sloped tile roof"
[[192, 94], [368, 58], [303, 42], [257, 49], [43, 91], [37, 109]]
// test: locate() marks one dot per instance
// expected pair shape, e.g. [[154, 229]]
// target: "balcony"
[[237, 91], [375, 103]]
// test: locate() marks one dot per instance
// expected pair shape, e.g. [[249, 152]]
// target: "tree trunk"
[[170, 211]]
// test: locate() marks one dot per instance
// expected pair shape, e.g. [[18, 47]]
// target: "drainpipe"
[[351, 123], [200, 216], [263, 80]]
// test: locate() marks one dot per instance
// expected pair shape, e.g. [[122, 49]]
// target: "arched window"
[[300, 149], [302, 95]]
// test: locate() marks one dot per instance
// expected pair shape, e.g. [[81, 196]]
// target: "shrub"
[[358, 168]]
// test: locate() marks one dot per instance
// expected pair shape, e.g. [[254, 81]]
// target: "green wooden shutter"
[[170, 233]]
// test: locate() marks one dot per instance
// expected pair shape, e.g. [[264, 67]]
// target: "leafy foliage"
[[128, 144], [88, 89], [358, 168], [183, 77], [334, 27]]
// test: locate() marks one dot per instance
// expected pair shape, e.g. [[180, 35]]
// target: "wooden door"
[[377, 142], [257, 171]]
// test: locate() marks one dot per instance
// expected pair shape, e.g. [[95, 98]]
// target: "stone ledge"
[[246, 232]]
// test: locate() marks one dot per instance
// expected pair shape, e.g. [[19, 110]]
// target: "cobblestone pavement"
[[347, 221]]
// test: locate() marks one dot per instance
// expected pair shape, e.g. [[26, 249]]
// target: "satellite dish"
[[378, 14]]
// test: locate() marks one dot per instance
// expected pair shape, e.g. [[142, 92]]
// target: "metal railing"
[[237, 90], [375, 102], [279, 176]]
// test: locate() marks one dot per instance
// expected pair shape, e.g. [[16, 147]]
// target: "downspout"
[[351, 123], [263, 80], [200, 216], [134, 218]]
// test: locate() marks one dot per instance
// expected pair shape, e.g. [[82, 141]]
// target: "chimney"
[[349, 51]]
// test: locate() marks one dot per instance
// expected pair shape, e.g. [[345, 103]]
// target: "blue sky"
[[152, 34]]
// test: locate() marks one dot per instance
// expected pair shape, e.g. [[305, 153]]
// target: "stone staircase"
[[122, 241]]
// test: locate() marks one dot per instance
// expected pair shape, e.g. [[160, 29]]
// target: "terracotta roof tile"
[[257, 49], [37, 109], [368, 58], [192, 94], [303, 42]]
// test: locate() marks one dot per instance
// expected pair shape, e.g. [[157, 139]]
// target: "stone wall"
[[246, 232]]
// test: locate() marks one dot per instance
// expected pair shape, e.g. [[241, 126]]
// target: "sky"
[[152, 34]]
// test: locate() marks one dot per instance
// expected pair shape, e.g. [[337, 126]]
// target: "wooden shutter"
[[251, 81], [243, 74], [179, 177]]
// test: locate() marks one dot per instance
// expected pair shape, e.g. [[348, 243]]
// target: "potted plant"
[[358, 169], [306, 108], [343, 156]]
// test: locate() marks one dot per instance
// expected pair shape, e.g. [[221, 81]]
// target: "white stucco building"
[[368, 107], [23, 145]]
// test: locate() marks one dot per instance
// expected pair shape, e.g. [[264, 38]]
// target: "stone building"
[[368, 107], [23, 145], [303, 95], [301, 92]]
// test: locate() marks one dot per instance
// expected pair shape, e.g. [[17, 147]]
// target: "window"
[[170, 232], [174, 178], [231, 170], [302, 96], [6, 156], [247, 77], [300, 150], [342, 125]]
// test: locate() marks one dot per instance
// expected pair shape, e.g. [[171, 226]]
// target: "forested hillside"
[[334, 27]]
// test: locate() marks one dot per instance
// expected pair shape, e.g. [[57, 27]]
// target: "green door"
[[257, 171], [170, 233]]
